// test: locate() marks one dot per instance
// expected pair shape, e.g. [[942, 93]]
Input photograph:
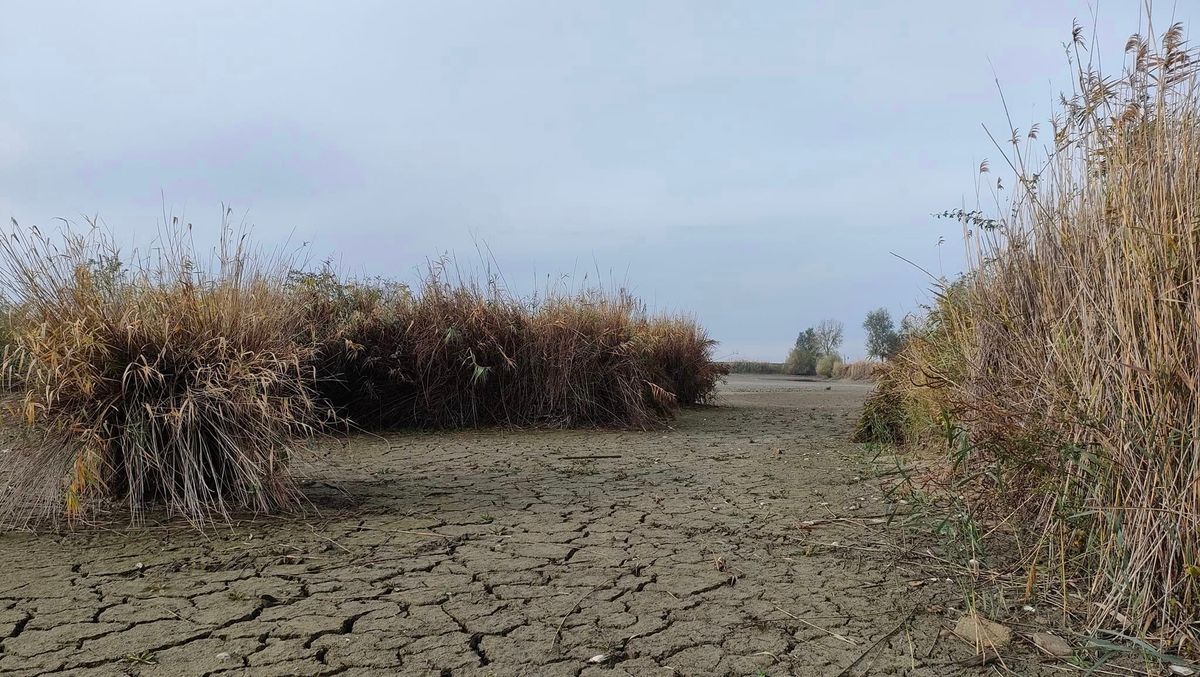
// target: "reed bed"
[[754, 367], [193, 383], [1064, 368], [676, 355], [172, 380], [859, 370], [452, 354]]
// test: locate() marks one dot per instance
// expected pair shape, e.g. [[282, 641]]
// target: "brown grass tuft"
[[455, 354], [859, 370], [189, 383], [160, 380]]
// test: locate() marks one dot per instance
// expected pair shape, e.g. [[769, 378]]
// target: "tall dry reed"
[[189, 382], [454, 354], [1069, 358], [167, 379], [858, 370]]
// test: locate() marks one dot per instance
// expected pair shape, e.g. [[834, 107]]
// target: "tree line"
[[816, 349]]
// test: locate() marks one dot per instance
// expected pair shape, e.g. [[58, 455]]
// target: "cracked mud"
[[745, 540]]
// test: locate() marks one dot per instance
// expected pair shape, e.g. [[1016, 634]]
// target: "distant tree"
[[883, 340], [829, 336], [807, 340], [803, 358]]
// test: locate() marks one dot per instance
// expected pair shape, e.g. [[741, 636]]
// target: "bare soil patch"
[[746, 539]]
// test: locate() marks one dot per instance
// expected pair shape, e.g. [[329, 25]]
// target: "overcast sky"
[[752, 163]]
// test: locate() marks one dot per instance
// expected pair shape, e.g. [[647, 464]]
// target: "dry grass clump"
[[587, 364], [859, 370], [157, 380], [1068, 360], [916, 395], [173, 380], [676, 354], [827, 365], [884, 419], [754, 367], [456, 354]]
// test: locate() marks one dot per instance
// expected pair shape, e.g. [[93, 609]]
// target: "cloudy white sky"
[[753, 163]]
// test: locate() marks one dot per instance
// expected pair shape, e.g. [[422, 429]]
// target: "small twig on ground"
[[176, 615], [590, 456], [335, 543], [846, 670], [574, 608], [831, 633], [403, 531]]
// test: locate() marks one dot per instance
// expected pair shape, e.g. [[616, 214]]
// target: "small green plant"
[[142, 658]]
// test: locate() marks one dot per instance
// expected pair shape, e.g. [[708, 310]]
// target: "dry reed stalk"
[[1068, 360], [456, 354], [156, 380], [171, 380]]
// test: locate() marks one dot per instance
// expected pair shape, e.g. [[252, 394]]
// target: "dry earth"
[[747, 539]]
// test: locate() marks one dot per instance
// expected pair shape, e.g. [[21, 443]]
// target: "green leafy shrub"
[[827, 365]]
